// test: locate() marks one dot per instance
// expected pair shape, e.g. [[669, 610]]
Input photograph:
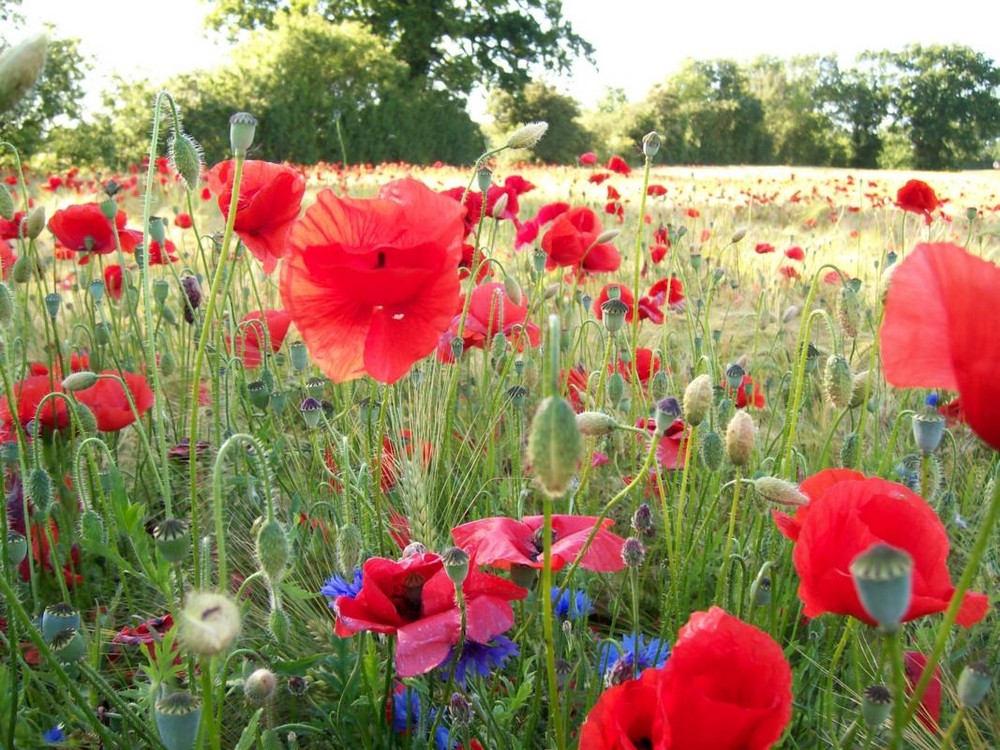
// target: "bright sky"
[[638, 42]]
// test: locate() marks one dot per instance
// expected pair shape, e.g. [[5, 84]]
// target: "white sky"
[[638, 42]]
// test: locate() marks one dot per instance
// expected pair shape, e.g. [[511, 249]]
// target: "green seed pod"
[[299, 355], [39, 490], [349, 548], [876, 706], [650, 144], [242, 127], [272, 550], [161, 288], [258, 394], [17, 547], [838, 382], [849, 311], [850, 451], [973, 684], [6, 204], [53, 301], [178, 717], [173, 540], [35, 222], [315, 387], [6, 305], [883, 578], [187, 158], [555, 446], [167, 363], [102, 334], [713, 449], [68, 646], [57, 618]]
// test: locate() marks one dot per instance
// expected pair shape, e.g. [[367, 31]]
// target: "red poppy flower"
[[490, 312], [503, 542], [656, 191], [107, 400], [726, 685], [929, 712], [587, 159], [598, 177], [9, 229], [269, 202], [513, 187], [847, 513], [251, 341], [748, 394], [113, 280], [372, 284], [44, 556], [763, 248], [646, 365], [789, 273], [85, 230], [628, 716], [7, 258], [669, 290], [649, 308], [658, 252], [618, 165], [575, 380], [183, 220], [572, 242], [29, 393], [146, 634], [795, 253], [672, 443], [939, 331], [917, 197], [414, 599], [160, 256]]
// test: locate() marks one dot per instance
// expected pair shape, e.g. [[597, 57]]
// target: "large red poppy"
[[628, 716], [491, 311], [940, 331], [414, 599], [250, 342], [85, 230], [727, 685], [28, 394], [917, 197], [503, 542], [269, 202], [847, 513], [646, 365], [107, 400], [372, 284], [571, 241]]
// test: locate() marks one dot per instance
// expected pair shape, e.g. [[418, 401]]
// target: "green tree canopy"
[[566, 137], [455, 43]]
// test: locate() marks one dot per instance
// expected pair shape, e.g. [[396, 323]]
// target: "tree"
[[949, 100], [454, 43], [566, 137], [858, 100]]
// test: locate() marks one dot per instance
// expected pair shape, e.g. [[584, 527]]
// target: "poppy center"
[[409, 600], [537, 544]]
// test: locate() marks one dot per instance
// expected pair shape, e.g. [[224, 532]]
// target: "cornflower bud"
[[642, 520]]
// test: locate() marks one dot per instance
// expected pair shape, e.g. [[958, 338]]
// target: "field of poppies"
[[601, 456]]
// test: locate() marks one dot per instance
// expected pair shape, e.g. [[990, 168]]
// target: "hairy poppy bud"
[[738, 235], [555, 445], [178, 716], [242, 128], [740, 436], [500, 206], [20, 67], [348, 547], [616, 388], [413, 549], [35, 222], [527, 136], [849, 310], [712, 450], [260, 686], [6, 204], [209, 623], [850, 450], [512, 289], [876, 705], [21, 273], [697, 400], [607, 236], [272, 550], [6, 305], [883, 578], [838, 382], [79, 381], [779, 491], [39, 490], [595, 423], [187, 158]]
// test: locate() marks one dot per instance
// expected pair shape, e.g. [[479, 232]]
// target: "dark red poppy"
[[847, 513], [372, 284], [414, 599], [748, 394], [618, 165], [763, 248], [502, 542], [113, 280], [183, 220], [107, 400], [575, 380], [269, 202], [929, 712], [629, 716], [795, 253], [44, 555], [160, 256], [513, 187], [28, 393], [147, 634], [726, 685], [940, 331], [472, 258], [645, 364], [491, 311], [249, 344], [85, 230], [587, 159], [917, 197], [571, 241]]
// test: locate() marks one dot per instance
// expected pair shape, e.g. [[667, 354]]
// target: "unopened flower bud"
[[413, 549], [838, 382], [740, 435], [642, 520], [6, 204], [849, 310], [779, 491], [513, 290], [209, 623], [20, 67], [460, 710], [242, 127], [272, 549], [697, 400], [555, 445], [738, 235], [607, 236], [616, 388], [595, 423], [712, 450], [633, 553], [187, 158], [527, 136], [260, 686], [883, 578], [35, 222], [348, 547], [6, 305], [39, 490], [500, 206], [79, 381]]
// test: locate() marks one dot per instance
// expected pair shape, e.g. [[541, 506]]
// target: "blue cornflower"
[[572, 605], [54, 735], [480, 658], [932, 400], [631, 656], [339, 586], [407, 718]]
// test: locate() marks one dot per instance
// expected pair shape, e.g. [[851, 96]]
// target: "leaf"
[[249, 732]]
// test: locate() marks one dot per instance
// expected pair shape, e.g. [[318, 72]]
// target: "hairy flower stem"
[[637, 264], [952, 730], [199, 359], [550, 653], [681, 497], [720, 585], [891, 644]]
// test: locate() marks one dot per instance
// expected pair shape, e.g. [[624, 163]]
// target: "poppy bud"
[[6, 305], [500, 206], [606, 236], [697, 400], [79, 381], [883, 578], [512, 289], [92, 529], [178, 716], [311, 411], [973, 684], [555, 445], [642, 520], [35, 222], [650, 144], [167, 363], [850, 450], [616, 388], [740, 436], [633, 553], [413, 549], [20, 67], [779, 491], [260, 686], [242, 127], [272, 550], [738, 235], [21, 273], [849, 310], [68, 646], [595, 423], [456, 565], [6, 204], [102, 334], [173, 540], [209, 623], [712, 450], [187, 158], [928, 429], [613, 314], [53, 301], [39, 490], [838, 382], [527, 136], [57, 618], [659, 384], [17, 547], [876, 705], [348, 547]]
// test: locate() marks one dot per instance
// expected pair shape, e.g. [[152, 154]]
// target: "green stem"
[[550, 654], [952, 730], [733, 510], [899, 720], [637, 264]]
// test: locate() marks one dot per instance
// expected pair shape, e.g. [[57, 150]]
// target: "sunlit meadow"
[[546, 467]]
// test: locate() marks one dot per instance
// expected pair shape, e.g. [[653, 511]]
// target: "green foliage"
[[566, 138], [451, 42]]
